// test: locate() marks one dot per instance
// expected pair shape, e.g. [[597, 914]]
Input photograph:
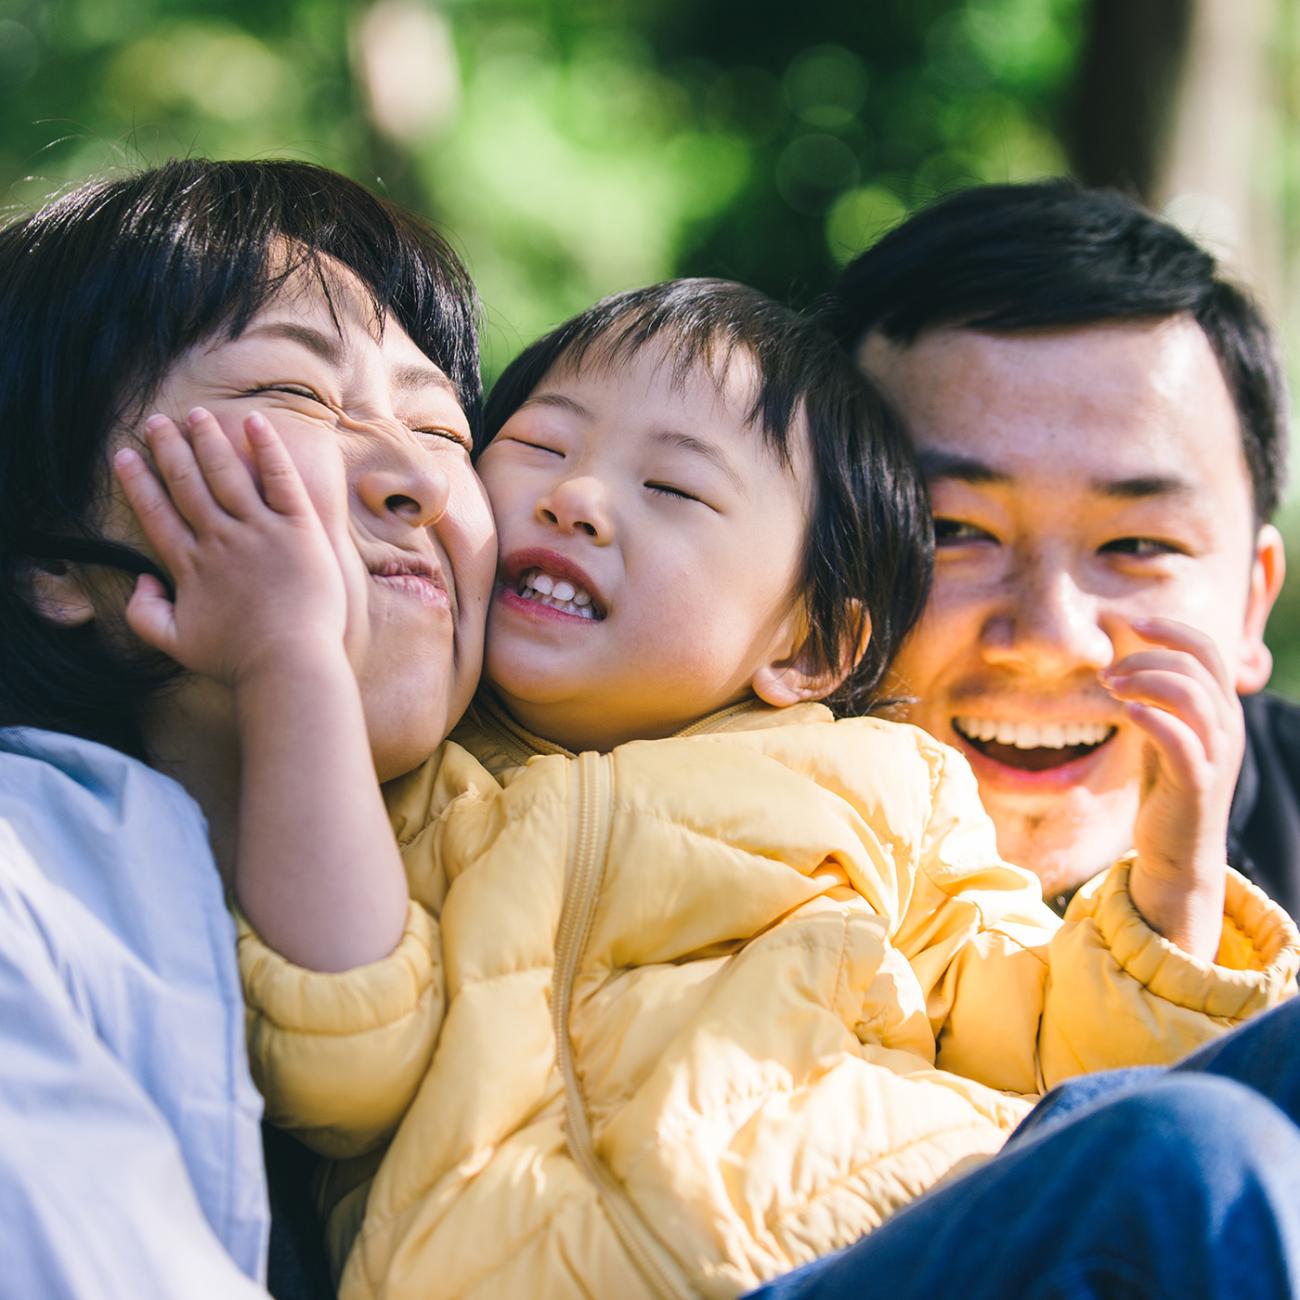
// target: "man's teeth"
[[558, 593], [1028, 735]]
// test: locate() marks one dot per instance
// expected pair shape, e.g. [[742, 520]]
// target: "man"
[[1102, 421]]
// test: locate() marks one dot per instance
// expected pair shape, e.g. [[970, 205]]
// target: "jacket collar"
[[499, 742]]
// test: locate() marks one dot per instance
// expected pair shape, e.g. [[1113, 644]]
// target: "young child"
[[698, 983]]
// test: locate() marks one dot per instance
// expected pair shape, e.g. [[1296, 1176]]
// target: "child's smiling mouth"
[[541, 579], [557, 593]]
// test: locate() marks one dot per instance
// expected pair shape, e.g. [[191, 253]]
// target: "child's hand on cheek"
[[259, 584], [1179, 694]]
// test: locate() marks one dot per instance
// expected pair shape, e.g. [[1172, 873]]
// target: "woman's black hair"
[[869, 545], [1054, 253], [101, 291]]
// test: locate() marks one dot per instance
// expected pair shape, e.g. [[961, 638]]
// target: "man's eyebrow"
[[329, 347], [966, 469], [970, 469], [699, 447], [1142, 486]]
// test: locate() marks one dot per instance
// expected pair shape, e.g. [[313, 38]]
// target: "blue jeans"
[[1176, 1183]]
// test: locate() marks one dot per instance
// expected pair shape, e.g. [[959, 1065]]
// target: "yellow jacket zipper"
[[590, 807]]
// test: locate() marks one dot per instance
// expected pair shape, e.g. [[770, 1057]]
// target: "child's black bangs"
[[693, 340]]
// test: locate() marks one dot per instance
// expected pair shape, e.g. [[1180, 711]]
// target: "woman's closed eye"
[[304, 391], [459, 436]]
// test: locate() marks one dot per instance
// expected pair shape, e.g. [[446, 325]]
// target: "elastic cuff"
[[344, 1002], [1259, 939]]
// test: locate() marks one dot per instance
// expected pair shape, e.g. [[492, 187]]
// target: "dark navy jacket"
[[1264, 830]]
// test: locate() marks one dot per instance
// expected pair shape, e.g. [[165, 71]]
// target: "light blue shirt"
[[130, 1150]]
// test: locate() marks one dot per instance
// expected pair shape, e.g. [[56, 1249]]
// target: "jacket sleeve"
[[1021, 1001], [95, 1199], [339, 1056]]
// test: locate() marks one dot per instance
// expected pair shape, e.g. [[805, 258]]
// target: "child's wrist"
[[295, 669], [1186, 909]]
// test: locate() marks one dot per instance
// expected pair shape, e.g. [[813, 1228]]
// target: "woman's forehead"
[[320, 288]]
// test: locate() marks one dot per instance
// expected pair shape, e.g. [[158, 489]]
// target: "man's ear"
[[59, 594], [794, 674], [1267, 570]]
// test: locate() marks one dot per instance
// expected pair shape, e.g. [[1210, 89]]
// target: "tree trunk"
[[1134, 56]]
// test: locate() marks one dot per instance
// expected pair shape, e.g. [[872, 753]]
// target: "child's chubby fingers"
[[151, 614], [1173, 635], [225, 475], [1179, 687], [1179, 749], [178, 467], [282, 486], [168, 534]]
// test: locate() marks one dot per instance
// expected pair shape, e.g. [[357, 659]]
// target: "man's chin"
[[1064, 839]]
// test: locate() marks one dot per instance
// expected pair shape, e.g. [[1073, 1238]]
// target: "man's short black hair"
[[101, 292], [1055, 253], [868, 550]]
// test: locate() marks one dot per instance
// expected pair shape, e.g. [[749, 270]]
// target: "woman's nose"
[[406, 485], [578, 505]]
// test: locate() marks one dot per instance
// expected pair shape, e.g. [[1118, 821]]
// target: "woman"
[[131, 1163]]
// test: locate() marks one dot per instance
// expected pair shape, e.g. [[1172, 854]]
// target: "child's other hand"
[[258, 583], [1179, 694]]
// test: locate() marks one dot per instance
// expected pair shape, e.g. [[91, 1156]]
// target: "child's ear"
[[59, 594], [795, 673]]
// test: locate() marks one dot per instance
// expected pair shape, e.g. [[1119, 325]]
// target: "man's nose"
[[578, 505], [403, 483], [1047, 624]]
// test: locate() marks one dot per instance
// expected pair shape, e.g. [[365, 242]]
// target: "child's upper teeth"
[[557, 592]]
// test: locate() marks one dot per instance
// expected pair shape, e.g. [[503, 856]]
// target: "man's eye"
[[953, 532], [667, 490], [1140, 547]]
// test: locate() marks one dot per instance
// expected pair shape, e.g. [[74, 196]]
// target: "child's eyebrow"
[[558, 400], [714, 455]]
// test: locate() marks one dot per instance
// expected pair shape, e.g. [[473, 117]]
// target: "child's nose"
[[578, 505]]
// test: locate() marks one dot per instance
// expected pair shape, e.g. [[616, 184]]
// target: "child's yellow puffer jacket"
[[673, 1020]]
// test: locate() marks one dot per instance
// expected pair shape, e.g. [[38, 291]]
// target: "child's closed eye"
[[680, 494], [535, 446]]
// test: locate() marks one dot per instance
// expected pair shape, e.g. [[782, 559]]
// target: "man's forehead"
[[1124, 406]]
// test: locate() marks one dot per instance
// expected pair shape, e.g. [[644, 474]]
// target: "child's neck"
[[547, 729]]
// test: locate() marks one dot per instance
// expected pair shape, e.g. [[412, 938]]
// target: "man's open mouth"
[[1032, 747]]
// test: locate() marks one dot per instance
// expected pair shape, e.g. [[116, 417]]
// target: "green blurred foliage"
[[571, 149]]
